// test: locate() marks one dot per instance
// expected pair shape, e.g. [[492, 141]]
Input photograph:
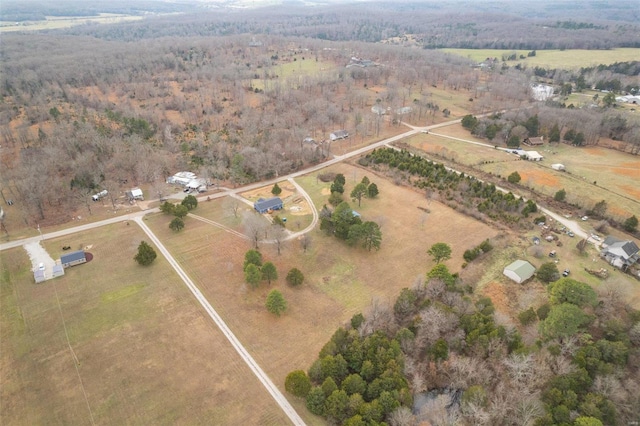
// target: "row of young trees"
[[480, 197]]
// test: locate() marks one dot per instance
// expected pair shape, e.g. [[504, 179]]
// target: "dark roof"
[[267, 204], [630, 248], [72, 257]]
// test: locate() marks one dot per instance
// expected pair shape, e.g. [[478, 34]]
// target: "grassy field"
[[339, 280], [612, 170], [564, 59], [57, 22], [146, 352]]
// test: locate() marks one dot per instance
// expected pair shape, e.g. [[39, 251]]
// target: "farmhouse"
[[72, 259], [534, 141], [135, 194], [621, 254], [265, 205], [519, 271], [338, 134], [182, 178], [533, 156]]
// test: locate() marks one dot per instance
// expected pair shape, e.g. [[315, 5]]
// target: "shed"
[[137, 194], [264, 205], [73, 258], [38, 275], [58, 270], [519, 271], [339, 134], [558, 166]]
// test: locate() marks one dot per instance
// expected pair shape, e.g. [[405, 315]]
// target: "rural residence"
[[338, 134], [134, 194], [72, 259], [519, 271], [620, 254], [534, 141], [267, 205], [533, 156]]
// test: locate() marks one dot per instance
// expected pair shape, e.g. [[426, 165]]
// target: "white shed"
[[558, 166]]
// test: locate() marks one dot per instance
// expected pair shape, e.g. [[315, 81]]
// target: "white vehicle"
[[585, 217], [41, 266]]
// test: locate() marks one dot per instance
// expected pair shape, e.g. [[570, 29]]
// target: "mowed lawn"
[[340, 281], [146, 351]]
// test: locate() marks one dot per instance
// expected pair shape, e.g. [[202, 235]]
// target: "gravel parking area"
[[39, 255]]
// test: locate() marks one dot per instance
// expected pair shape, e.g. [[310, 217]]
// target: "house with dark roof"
[[621, 254], [266, 205], [338, 134], [534, 141], [72, 259]]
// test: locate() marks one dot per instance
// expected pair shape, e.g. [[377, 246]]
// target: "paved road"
[[244, 354]]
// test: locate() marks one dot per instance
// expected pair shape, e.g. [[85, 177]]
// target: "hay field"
[[146, 352], [339, 280], [564, 59], [57, 22]]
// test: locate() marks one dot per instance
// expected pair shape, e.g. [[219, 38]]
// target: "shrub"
[[527, 317], [295, 277]]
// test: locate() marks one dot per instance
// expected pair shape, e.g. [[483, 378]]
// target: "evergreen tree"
[[146, 254], [276, 304]]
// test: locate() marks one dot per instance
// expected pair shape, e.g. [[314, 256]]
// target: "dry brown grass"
[[339, 280], [147, 352]]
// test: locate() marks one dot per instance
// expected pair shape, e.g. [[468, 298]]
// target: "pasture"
[[57, 22], [613, 171], [339, 280], [144, 352], [562, 59]]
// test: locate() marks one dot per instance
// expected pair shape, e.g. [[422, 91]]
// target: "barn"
[[72, 259], [265, 205], [519, 271]]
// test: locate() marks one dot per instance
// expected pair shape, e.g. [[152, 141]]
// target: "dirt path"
[[242, 351]]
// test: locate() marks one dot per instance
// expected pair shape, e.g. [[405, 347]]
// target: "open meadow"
[[57, 22], [564, 59], [615, 173], [140, 349], [340, 281]]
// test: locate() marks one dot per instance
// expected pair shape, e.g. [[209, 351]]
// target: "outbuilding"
[[533, 156], [265, 205], [559, 167], [72, 259], [339, 134], [519, 271]]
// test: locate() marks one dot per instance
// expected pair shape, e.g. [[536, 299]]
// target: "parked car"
[[41, 266], [585, 217], [571, 234], [565, 273], [595, 237], [552, 253]]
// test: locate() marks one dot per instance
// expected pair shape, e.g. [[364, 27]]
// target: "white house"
[[533, 155], [621, 254], [541, 92], [519, 271]]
